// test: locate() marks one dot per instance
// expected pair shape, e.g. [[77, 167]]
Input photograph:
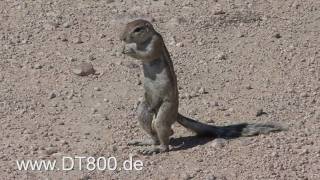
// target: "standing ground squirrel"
[[159, 107]]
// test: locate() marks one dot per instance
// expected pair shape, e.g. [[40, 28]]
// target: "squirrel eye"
[[138, 29]]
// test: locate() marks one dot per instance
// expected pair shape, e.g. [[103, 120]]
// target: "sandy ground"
[[247, 55]]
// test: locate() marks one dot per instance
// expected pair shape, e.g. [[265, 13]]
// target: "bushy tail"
[[231, 131]]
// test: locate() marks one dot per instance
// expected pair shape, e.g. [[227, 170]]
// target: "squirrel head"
[[137, 31]]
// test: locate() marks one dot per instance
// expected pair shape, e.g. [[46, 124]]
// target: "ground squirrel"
[[159, 107]]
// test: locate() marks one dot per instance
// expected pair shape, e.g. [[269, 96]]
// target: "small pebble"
[[175, 22], [213, 103], [49, 151], [186, 96], [84, 69], [105, 117], [63, 142], [304, 94], [114, 148], [72, 59], [260, 112], [211, 177], [277, 35], [52, 95], [274, 154], [249, 87], [66, 24], [202, 90], [139, 82], [85, 177], [64, 39], [221, 56], [219, 143], [217, 10], [50, 26], [37, 66], [94, 110], [91, 57], [180, 44], [77, 40], [86, 133], [186, 176]]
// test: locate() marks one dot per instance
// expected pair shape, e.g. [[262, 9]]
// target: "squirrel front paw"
[[129, 49]]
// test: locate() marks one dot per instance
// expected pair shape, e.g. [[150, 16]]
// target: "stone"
[[213, 103], [77, 40], [49, 151], [52, 95], [38, 66], [260, 112], [221, 56], [84, 69], [50, 26], [179, 44], [202, 90], [219, 143], [66, 24], [249, 87], [277, 35], [217, 10]]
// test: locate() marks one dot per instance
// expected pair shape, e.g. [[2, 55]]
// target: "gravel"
[[251, 56]]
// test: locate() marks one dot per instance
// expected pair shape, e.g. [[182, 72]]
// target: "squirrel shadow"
[[224, 132], [183, 143]]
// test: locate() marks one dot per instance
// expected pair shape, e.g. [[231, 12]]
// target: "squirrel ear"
[[149, 27]]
